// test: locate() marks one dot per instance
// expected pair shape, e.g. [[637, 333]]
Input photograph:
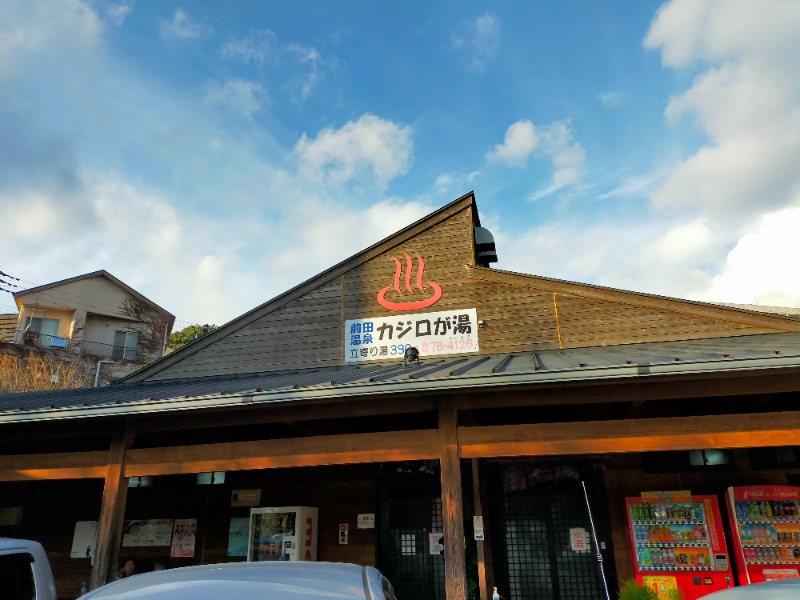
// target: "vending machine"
[[766, 531], [678, 541], [282, 533]]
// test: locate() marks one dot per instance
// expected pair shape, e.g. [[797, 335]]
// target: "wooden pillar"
[[112, 510], [485, 569], [452, 505]]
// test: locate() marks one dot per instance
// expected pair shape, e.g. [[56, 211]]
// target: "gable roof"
[[591, 315], [462, 203], [776, 320], [102, 273], [630, 363]]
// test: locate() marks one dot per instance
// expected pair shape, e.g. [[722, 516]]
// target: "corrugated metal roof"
[[435, 373]]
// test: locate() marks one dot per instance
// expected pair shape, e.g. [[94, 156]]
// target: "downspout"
[[97, 371]]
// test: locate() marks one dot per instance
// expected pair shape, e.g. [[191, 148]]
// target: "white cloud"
[[762, 267], [323, 234], [747, 102], [554, 142], [116, 12], [256, 47], [370, 149], [479, 40], [520, 141], [716, 31], [743, 183], [245, 97], [32, 26], [568, 156], [612, 99], [301, 85], [183, 27]]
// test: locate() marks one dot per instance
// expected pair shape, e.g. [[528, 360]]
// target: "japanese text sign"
[[435, 333]]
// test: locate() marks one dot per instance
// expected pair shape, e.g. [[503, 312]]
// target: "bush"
[[630, 590]]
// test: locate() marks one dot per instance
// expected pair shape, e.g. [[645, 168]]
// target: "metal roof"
[[714, 355]]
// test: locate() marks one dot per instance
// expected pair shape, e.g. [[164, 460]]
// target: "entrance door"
[[549, 550], [410, 536]]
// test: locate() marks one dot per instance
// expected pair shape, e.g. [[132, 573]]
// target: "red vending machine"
[[766, 531], [678, 541]]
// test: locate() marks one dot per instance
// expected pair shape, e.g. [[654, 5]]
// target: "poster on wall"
[[237, 536], [147, 532], [84, 540], [183, 538], [433, 334]]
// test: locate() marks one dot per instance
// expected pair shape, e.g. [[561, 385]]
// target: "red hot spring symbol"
[[412, 304]]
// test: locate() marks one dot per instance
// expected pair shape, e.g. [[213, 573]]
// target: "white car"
[[252, 581], [25, 571], [781, 589]]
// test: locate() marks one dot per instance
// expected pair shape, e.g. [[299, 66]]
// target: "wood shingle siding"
[[306, 326]]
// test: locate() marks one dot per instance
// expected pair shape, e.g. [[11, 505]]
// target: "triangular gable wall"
[[306, 327], [98, 292], [526, 312]]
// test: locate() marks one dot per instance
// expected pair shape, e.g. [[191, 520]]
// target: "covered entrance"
[[545, 542]]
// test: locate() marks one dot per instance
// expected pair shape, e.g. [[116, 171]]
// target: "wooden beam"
[[112, 510], [485, 567], [305, 411], [640, 435], [295, 452], [74, 465], [661, 387], [452, 504]]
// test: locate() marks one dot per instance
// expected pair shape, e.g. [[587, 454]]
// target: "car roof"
[[780, 589], [292, 580]]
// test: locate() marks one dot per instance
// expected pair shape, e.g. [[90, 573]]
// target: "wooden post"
[[112, 510], [485, 569], [452, 505]]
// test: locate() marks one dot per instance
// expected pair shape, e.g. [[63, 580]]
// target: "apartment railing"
[[46, 341], [109, 350], [86, 347]]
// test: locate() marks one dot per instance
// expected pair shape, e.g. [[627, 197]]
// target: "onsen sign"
[[435, 333]]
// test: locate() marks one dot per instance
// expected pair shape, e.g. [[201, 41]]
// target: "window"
[[44, 329], [703, 458], [126, 344], [16, 577]]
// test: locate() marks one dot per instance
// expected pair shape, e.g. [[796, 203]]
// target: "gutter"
[[328, 391]]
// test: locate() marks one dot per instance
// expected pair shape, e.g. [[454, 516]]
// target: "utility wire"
[[64, 294]]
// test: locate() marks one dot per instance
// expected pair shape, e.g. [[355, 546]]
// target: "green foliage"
[[630, 590], [188, 334], [676, 593]]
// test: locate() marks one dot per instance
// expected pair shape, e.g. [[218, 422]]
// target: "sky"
[[212, 154]]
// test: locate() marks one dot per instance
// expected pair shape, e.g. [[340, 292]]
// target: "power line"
[[64, 294]]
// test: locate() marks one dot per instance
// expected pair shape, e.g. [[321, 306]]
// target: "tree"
[[188, 334], [43, 372], [150, 323]]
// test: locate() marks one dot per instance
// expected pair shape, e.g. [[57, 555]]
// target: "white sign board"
[[436, 543], [579, 539], [433, 334], [84, 540], [477, 526], [366, 521]]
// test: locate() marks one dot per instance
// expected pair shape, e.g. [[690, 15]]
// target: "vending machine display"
[[678, 542], [282, 533], [766, 531]]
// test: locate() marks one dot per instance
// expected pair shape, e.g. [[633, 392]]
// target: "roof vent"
[[484, 247]]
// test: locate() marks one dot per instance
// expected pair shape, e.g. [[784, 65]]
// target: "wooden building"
[[530, 400]]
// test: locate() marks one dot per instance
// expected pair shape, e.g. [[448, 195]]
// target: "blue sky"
[[214, 154]]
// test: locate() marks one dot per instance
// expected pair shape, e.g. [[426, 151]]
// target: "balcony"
[[90, 348], [86, 347], [44, 340]]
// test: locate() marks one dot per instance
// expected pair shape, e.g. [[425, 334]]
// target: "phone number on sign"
[[442, 346]]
